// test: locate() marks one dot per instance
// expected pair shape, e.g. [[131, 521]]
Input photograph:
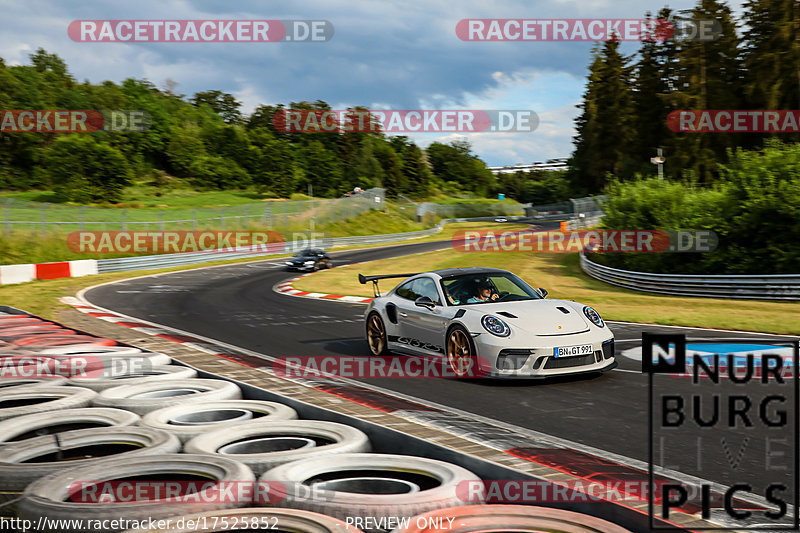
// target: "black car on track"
[[309, 259]]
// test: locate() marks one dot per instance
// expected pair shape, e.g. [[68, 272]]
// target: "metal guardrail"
[[769, 287], [148, 262]]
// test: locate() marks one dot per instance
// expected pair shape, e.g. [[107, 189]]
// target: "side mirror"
[[424, 301], [542, 292]]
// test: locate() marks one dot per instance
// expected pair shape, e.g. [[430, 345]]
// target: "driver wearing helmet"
[[485, 294]]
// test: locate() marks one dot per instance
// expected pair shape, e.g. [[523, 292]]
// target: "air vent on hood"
[[563, 310], [506, 314]]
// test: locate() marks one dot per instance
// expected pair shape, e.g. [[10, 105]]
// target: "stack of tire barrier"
[[132, 439]]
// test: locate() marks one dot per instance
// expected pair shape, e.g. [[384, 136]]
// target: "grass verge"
[[41, 297], [562, 276]]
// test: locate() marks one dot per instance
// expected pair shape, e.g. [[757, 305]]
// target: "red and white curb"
[[286, 288]]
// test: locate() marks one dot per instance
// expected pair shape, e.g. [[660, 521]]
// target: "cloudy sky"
[[384, 54]]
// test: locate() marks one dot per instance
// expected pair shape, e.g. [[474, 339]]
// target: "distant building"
[[551, 164]]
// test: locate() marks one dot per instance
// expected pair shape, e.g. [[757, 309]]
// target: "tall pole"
[[660, 164]]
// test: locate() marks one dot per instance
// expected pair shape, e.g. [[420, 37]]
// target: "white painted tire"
[[190, 420], [294, 520], [146, 397], [131, 376], [6, 383], [16, 429], [16, 473], [47, 498], [262, 445], [103, 352], [43, 398], [501, 517], [437, 483]]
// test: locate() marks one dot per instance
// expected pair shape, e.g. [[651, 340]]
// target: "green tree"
[[84, 170], [772, 56], [710, 77], [604, 126], [222, 103], [416, 172]]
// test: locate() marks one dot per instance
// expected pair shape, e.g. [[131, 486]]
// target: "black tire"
[[376, 334], [190, 420], [286, 441], [163, 394], [460, 352], [16, 473], [48, 498], [294, 520], [46, 423], [437, 482]]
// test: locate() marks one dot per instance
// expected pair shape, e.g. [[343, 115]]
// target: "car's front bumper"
[[497, 359], [300, 268]]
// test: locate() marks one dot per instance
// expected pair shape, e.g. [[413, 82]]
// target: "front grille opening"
[[568, 362], [608, 349], [512, 359]]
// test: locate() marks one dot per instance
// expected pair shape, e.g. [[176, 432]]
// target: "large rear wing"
[[374, 279]]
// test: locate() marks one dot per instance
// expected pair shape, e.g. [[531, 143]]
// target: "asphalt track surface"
[[237, 305]]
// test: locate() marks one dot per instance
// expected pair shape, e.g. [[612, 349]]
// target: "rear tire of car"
[[376, 335], [460, 352]]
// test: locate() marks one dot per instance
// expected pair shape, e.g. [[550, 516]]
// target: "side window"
[[406, 291], [427, 287]]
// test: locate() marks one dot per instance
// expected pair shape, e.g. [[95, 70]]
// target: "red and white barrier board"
[[10, 274]]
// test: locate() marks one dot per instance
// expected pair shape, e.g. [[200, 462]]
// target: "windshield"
[[487, 288]]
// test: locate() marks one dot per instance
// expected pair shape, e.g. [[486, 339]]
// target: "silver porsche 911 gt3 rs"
[[487, 322]]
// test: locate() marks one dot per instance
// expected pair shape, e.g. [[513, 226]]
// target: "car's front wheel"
[[461, 353], [376, 335]]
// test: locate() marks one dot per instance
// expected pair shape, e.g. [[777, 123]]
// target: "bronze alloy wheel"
[[460, 354], [376, 334]]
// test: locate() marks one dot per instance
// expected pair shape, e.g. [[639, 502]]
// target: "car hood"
[[538, 317], [302, 259]]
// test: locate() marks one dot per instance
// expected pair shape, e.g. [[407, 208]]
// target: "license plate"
[[568, 351]]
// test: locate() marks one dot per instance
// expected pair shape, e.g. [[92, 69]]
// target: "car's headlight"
[[495, 326], [289, 263], [309, 263], [594, 316]]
